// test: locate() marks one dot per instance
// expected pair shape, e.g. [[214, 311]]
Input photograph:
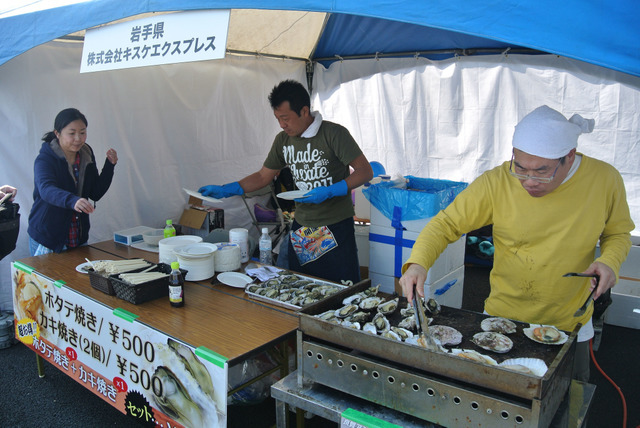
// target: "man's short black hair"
[[292, 91]]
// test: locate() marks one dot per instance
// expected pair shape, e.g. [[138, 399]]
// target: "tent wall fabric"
[[572, 28]]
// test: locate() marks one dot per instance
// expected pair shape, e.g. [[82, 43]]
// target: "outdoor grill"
[[437, 387]]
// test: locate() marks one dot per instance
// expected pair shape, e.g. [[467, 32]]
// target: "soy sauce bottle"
[[176, 286]]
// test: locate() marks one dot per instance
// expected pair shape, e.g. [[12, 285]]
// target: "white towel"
[[546, 133]]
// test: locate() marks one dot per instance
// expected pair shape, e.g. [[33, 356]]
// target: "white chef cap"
[[548, 134]]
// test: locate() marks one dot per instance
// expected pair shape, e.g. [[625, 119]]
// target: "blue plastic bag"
[[413, 198]]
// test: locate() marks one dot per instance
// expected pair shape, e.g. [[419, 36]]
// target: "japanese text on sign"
[[164, 39]]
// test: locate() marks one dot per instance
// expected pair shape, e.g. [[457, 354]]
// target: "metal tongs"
[[422, 324], [584, 307]]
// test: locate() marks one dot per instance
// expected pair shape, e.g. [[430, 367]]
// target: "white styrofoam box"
[[414, 196], [452, 286], [383, 257], [626, 293], [362, 242]]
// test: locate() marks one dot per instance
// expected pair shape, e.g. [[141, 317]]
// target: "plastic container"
[[176, 286], [169, 230], [240, 236], [265, 246]]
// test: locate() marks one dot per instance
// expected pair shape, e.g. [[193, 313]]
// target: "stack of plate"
[[167, 245], [197, 259]]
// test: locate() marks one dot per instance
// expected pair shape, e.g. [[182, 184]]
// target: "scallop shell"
[[546, 334], [492, 341], [470, 354], [499, 325], [445, 334], [534, 366]]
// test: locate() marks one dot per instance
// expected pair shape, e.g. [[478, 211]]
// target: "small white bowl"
[[152, 237]]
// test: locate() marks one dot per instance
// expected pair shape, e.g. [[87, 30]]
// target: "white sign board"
[[151, 377], [162, 39]]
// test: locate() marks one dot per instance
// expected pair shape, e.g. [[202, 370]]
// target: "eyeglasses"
[[531, 177]]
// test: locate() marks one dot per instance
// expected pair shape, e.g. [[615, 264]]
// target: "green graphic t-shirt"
[[321, 160]]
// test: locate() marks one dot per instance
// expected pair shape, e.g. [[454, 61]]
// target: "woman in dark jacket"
[[65, 178]]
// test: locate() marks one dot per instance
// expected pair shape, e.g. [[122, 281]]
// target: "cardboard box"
[[450, 286], [200, 219], [130, 236], [390, 249], [626, 294]]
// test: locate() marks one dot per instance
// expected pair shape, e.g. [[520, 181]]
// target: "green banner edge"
[[211, 356]]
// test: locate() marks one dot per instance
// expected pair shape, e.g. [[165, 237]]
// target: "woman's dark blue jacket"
[[55, 195]]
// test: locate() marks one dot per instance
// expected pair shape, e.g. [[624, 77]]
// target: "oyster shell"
[[408, 323], [345, 311], [370, 302], [445, 334], [370, 328], [354, 299], [372, 291], [499, 325], [492, 341], [327, 315], [175, 400], [350, 324], [546, 334], [402, 332], [381, 322], [389, 307], [470, 354], [359, 316], [390, 334]]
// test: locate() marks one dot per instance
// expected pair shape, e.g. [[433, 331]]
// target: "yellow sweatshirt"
[[537, 240]]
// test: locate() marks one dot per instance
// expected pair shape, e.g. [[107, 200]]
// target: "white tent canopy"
[[186, 125]]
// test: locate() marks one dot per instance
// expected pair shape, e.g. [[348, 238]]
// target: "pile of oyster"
[[293, 289], [369, 312]]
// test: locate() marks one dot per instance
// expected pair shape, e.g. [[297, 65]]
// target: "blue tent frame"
[[594, 31]]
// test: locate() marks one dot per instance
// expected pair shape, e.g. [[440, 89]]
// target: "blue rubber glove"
[[223, 191], [321, 194]]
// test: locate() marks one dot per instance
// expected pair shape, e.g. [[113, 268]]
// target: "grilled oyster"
[[350, 324], [402, 332], [546, 334], [408, 323], [345, 311], [326, 316], [381, 322], [359, 316], [390, 334], [492, 341], [445, 334], [370, 328], [499, 325], [370, 302], [389, 307], [354, 299], [372, 291]]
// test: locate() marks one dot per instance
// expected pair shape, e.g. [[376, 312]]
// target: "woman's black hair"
[[64, 118]]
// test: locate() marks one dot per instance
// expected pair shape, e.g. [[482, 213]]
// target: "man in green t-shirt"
[[319, 154]]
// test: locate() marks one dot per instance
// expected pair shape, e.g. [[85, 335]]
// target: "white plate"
[[234, 279], [294, 194], [84, 267], [201, 196], [196, 251], [146, 247]]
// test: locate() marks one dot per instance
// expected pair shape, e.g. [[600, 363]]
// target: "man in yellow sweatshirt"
[[549, 207]]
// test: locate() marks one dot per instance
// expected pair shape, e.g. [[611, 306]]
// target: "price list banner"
[[154, 378], [163, 39]]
